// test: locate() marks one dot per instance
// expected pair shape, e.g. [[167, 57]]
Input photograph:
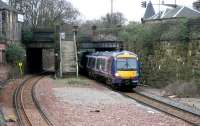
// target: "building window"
[[4, 23]]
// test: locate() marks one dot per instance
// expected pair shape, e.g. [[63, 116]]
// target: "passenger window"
[[109, 65], [98, 64], [103, 64], [93, 63]]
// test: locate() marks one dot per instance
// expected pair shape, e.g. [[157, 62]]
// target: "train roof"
[[113, 53]]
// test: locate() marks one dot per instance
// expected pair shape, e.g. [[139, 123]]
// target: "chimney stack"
[[94, 27], [196, 5]]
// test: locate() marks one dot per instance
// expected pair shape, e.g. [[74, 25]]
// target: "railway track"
[[186, 116], [26, 104]]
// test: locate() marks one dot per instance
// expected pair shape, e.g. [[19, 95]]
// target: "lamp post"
[[60, 40], [56, 65], [75, 29], [111, 7], [61, 37]]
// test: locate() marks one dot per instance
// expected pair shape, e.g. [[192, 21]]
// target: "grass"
[[183, 89], [73, 81], [2, 121]]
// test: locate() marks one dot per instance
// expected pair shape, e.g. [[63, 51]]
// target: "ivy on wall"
[[165, 50]]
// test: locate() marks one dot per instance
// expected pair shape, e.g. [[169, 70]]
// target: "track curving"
[[25, 101]]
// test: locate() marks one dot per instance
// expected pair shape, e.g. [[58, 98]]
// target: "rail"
[[182, 114], [23, 118]]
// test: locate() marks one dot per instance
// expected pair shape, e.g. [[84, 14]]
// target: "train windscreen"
[[126, 64]]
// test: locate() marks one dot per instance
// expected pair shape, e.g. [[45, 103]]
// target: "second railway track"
[[189, 117], [186, 116], [27, 107]]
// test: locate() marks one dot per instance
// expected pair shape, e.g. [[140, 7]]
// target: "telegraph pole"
[[111, 7], [175, 2], [111, 14], [75, 28], [61, 59], [159, 6]]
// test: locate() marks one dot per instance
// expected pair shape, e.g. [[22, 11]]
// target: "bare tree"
[[39, 13], [113, 19]]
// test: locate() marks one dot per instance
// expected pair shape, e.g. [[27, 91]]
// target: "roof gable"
[[149, 11], [179, 11]]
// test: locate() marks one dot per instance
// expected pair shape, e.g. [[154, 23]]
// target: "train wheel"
[[94, 76], [108, 81], [128, 88], [90, 74]]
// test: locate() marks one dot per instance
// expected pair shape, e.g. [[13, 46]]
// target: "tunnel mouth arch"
[[34, 60]]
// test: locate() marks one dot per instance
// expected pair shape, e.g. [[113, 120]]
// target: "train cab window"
[[91, 62], [126, 64], [88, 61]]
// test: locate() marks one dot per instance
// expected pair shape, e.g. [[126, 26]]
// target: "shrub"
[[183, 89], [27, 36], [15, 53], [164, 51]]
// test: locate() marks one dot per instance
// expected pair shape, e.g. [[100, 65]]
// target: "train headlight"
[[137, 74], [116, 75]]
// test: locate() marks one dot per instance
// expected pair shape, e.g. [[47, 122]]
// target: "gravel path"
[[94, 105]]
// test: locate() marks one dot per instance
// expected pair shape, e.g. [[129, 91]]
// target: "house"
[[10, 28], [174, 11]]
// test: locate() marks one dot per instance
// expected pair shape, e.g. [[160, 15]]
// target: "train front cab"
[[91, 65], [125, 70]]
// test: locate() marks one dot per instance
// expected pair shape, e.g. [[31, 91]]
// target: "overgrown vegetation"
[[73, 81], [2, 37], [27, 36], [183, 89], [15, 53], [166, 52]]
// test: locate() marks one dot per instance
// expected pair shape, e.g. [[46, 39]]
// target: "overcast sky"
[[132, 10]]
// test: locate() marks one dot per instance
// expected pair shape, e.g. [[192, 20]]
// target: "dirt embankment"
[[4, 72]]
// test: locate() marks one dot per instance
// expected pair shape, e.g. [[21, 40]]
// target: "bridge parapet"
[[39, 38]]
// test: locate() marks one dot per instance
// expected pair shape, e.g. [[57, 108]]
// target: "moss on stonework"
[[167, 52]]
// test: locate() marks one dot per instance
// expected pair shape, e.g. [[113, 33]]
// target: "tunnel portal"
[[34, 60]]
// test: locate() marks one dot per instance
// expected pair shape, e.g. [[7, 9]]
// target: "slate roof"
[[188, 13], [179, 11], [3, 5], [149, 11]]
